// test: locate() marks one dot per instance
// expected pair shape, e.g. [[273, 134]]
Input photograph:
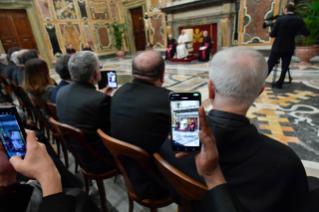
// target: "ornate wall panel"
[[51, 33], [154, 5], [102, 34], [113, 9], [98, 10], [157, 30], [82, 8], [71, 33], [44, 9], [88, 34], [64, 9]]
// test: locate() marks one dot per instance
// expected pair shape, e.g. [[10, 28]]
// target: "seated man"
[[20, 66], [70, 49], [183, 39], [171, 47], [80, 105], [61, 67], [3, 62], [87, 47], [206, 48], [8, 71], [141, 110], [265, 174]]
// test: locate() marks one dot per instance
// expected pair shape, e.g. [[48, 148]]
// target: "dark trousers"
[[285, 61]]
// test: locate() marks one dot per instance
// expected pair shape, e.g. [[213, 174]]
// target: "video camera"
[[270, 24]]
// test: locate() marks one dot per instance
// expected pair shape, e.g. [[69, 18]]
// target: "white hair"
[[238, 73], [205, 31], [82, 66], [14, 57]]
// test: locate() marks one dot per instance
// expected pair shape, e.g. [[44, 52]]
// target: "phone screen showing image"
[[185, 121], [112, 79], [11, 135]]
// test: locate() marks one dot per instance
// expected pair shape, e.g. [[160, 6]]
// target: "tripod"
[[273, 84]]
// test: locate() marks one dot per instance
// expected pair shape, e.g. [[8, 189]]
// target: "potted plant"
[[118, 30], [309, 11]]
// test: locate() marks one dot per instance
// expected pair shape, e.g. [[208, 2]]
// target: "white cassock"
[[181, 48]]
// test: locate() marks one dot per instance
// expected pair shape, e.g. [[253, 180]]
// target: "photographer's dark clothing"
[[264, 174], [284, 31], [8, 71]]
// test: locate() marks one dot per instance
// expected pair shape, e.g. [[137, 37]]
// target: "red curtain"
[[198, 35]]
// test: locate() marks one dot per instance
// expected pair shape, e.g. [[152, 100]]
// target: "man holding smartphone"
[[265, 174]]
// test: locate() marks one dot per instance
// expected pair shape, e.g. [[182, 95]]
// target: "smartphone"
[[12, 134], [108, 78], [185, 121]]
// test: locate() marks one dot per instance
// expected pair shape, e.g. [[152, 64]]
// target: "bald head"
[[148, 65]]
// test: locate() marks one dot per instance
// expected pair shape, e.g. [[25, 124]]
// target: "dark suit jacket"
[[285, 30], [56, 89], [140, 116], [82, 106], [2, 67], [222, 199], [15, 75], [265, 174], [8, 71], [20, 75]]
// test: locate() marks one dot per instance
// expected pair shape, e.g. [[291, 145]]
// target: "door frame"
[[127, 6], [31, 9]]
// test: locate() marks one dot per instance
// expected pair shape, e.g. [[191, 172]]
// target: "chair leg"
[[131, 205], [58, 145], [100, 186], [76, 166]]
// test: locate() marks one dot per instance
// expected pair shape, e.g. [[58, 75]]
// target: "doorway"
[[138, 28], [15, 30]]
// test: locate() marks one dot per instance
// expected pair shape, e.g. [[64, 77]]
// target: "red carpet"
[[189, 59]]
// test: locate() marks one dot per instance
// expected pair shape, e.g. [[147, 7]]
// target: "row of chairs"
[[188, 188]]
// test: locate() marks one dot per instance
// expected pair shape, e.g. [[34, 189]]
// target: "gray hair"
[[3, 58], [238, 73], [14, 57], [82, 66]]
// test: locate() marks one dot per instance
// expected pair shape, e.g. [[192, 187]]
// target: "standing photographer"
[[285, 30]]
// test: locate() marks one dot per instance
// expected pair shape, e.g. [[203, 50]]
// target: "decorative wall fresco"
[[254, 17], [44, 9], [98, 10], [113, 10], [102, 34], [154, 5], [64, 9], [50, 30], [71, 33], [82, 8], [88, 35], [157, 31]]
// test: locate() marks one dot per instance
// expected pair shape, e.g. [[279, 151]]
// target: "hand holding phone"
[[108, 78]]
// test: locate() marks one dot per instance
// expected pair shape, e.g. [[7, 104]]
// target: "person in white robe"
[[181, 48]]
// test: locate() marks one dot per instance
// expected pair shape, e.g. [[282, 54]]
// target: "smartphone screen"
[[185, 121], [112, 79], [12, 134], [108, 78]]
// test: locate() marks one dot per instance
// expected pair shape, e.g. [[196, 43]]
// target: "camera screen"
[[185, 121], [111, 76], [11, 136]]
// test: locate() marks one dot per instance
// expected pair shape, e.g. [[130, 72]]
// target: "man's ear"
[[211, 89], [262, 89], [162, 77]]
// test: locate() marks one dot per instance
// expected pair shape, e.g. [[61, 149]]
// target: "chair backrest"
[[7, 87], [67, 131], [190, 33], [119, 148], [188, 188], [52, 108], [41, 104]]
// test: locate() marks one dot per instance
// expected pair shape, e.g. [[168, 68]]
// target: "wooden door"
[[15, 30], [138, 28]]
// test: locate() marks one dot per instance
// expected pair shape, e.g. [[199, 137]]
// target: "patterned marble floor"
[[289, 115]]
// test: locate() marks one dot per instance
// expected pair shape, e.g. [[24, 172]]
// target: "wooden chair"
[[188, 188], [68, 131], [7, 88], [120, 148], [52, 108]]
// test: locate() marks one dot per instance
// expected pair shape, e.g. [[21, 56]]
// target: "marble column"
[[225, 24]]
